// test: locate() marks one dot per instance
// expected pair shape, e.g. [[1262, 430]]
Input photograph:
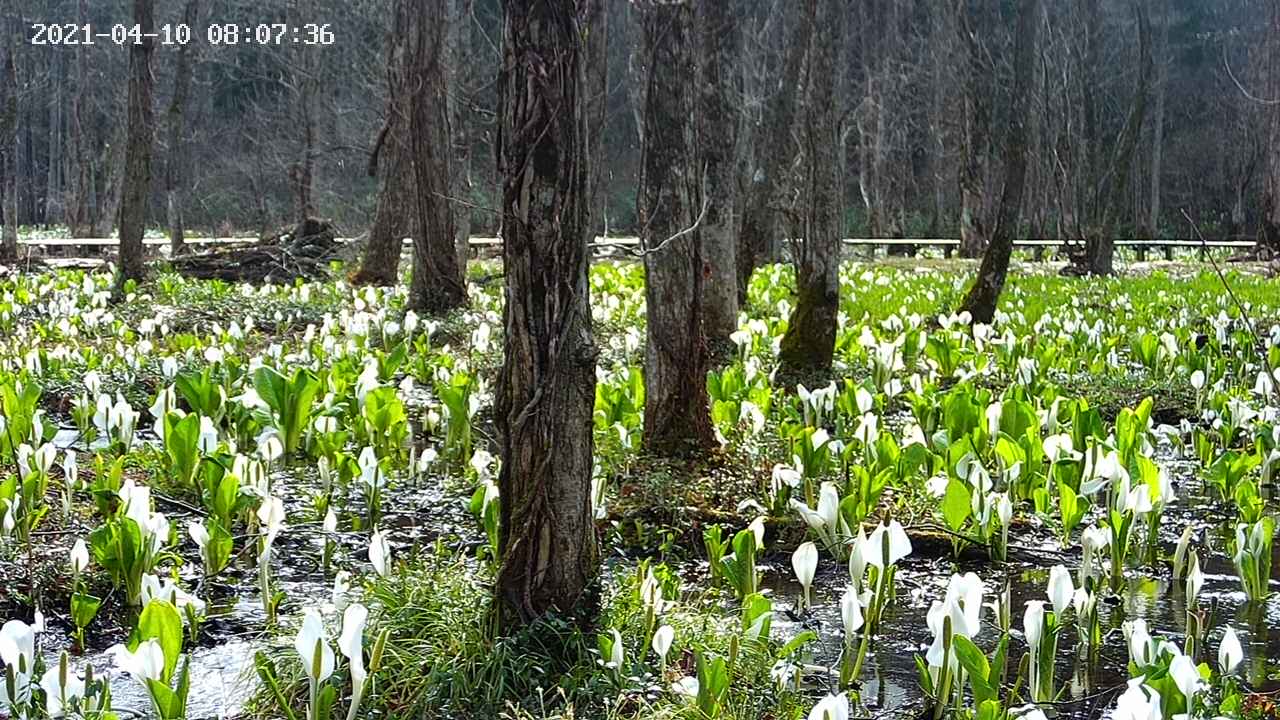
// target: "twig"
[[1243, 91], [467, 204], [1244, 315], [176, 503], [706, 205]]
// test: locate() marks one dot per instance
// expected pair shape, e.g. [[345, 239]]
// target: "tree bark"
[[177, 159], [1157, 131], [677, 418], [111, 196], [53, 197], [717, 138], [381, 262], [987, 286], [461, 82], [759, 233], [546, 389], [79, 189], [9, 148], [437, 284], [596, 23], [141, 131], [389, 162], [302, 170], [1271, 183], [974, 230], [810, 340], [1100, 246]]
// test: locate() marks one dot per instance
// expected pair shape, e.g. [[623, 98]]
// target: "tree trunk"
[[985, 293], [53, 197], [461, 82], [302, 170], [437, 284], [717, 138], [1271, 182], [596, 18], [676, 413], [546, 390], [810, 340], [1100, 247], [177, 156], [390, 163], [9, 149], [141, 130], [80, 182], [974, 230], [111, 195], [759, 232], [1157, 131]]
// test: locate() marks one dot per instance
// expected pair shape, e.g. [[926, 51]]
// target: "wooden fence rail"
[[947, 244]]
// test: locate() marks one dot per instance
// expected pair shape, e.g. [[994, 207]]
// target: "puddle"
[[414, 512], [890, 680]]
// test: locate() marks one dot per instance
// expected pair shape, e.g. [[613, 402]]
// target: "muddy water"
[[890, 685]]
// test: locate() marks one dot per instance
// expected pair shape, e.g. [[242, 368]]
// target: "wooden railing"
[[947, 244]]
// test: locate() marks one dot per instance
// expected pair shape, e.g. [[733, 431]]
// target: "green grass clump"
[[445, 658]]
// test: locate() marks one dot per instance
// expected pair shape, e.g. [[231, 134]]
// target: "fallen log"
[[303, 252]]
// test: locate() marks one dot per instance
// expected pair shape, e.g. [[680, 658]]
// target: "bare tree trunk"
[[53, 192], [9, 146], [987, 286], [390, 163], [1157, 131], [112, 194], [79, 189], [635, 69], [717, 138], [676, 413], [302, 170], [974, 232], [811, 332], [759, 232], [1271, 182], [546, 390], [176, 159], [596, 22], [1100, 247], [141, 131], [437, 284], [460, 83]]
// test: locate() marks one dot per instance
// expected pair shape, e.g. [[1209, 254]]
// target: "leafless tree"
[[437, 283], [671, 208], [983, 295], [141, 135], [810, 339]]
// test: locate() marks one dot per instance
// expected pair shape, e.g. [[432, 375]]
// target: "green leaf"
[[976, 665], [160, 621], [324, 702], [797, 642], [84, 608], [167, 703], [956, 504]]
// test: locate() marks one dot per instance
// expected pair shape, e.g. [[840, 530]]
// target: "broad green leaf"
[[956, 504]]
